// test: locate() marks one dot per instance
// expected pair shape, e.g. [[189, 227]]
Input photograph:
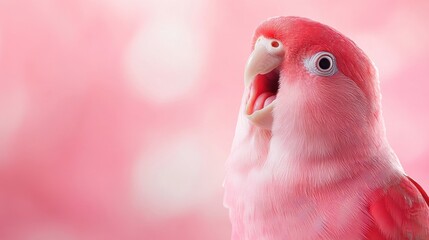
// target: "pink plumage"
[[310, 159]]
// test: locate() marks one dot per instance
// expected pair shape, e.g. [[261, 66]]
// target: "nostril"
[[275, 44]]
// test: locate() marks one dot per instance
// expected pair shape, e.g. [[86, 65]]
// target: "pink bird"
[[310, 159]]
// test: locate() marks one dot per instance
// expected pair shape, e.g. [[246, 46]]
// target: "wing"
[[424, 194], [400, 212]]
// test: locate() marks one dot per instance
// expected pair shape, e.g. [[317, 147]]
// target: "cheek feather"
[[322, 114]]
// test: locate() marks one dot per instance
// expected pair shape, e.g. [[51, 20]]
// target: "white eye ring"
[[322, 64]]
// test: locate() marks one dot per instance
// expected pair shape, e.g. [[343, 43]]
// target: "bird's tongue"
[[263, 100]]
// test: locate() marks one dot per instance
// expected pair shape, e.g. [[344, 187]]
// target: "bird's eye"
[[322, 64]]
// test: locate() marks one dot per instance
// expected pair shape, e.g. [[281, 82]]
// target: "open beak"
[[261, 76]]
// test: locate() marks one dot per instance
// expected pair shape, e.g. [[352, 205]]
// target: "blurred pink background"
[[116, 116]]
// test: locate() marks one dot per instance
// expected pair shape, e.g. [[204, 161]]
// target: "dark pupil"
[[324, 64]]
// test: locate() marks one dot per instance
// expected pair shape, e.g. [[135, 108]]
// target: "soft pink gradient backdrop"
[[117, 115]]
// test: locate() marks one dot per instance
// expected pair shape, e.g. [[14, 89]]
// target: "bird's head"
[[306, 79]]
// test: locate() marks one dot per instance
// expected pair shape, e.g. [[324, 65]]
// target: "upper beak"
[[266, 56]]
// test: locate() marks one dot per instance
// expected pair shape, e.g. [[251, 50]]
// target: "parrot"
[[310, 157]]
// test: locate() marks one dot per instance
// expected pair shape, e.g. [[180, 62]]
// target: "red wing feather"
[[400, 212], [424, 194]]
